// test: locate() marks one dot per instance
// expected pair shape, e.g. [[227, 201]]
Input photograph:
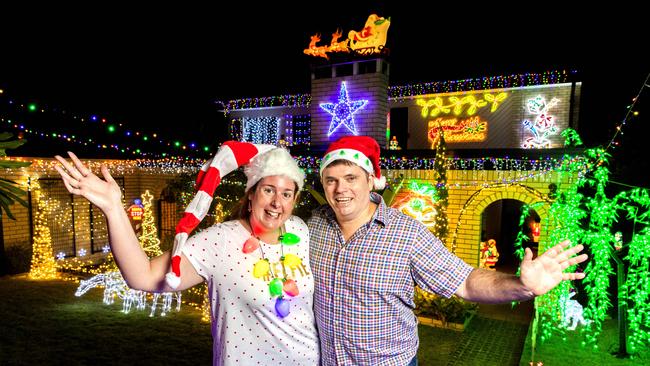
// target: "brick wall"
[[370, 120], [136, 182], [468, 199]]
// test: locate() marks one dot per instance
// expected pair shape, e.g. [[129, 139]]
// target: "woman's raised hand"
[[78, 179]]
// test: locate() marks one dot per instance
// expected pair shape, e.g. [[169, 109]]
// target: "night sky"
[[153, 67]]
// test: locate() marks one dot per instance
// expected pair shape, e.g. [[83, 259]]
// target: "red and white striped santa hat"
[[260, 160]]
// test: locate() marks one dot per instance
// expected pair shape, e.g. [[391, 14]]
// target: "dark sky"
[[165, 66]]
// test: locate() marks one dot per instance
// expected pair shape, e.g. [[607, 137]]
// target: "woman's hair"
[[240, 211]]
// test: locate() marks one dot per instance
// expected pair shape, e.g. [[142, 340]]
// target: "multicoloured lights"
[[544, 125]]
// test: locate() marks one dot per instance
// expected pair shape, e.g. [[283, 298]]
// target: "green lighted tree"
[[585, 214]]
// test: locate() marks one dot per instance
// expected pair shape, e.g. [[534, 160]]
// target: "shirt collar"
[[381, 214]]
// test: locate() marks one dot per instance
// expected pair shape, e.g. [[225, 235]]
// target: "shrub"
[[454, 309], [19, 258]]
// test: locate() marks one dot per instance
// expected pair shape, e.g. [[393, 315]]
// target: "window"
[[368, 67], [344, 70], [324, 72]]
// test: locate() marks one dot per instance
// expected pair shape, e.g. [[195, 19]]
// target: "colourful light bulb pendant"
[[261, 268], [251, 245], [275, 287], [289, 239], [281, 307], [292, 260], [290, 288]]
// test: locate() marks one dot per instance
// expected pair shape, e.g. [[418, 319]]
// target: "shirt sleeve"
[[434, 268], [205, 246]]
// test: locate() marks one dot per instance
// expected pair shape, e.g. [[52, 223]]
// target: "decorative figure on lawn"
[[573, 313], [114, 286], [489, 254]]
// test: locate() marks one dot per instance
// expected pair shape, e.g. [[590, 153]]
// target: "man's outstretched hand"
[[543, 273]]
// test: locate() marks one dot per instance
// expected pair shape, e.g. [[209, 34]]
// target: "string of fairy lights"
[[20, 116], [631, 111], [404, 91], [487, 82]]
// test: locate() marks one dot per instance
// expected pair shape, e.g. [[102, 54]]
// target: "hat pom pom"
[[172, 280], [380, 183]]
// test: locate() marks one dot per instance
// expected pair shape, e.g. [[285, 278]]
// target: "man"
[[367, 257]]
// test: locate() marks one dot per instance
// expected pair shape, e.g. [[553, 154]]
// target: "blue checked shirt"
[[363, 298]]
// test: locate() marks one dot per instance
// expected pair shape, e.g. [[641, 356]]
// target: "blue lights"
[[343, 111]]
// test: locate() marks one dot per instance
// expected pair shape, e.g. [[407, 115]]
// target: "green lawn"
[[43, 323], [559, 352]]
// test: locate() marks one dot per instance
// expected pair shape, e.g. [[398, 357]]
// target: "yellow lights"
[[370, 40], [149, 238], [469, 104], [419, 203], [43, 265], [495, 100], [421, 209], [322, 51]]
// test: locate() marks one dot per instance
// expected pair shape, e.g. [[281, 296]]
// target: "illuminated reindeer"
[[114, 286], [166, 302], [314, 50], [338, 46], [573, 313]]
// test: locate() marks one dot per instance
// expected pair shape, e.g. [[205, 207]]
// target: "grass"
[[45, 324], [559, 352]]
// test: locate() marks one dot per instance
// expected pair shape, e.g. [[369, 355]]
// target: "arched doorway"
[[500, 222]]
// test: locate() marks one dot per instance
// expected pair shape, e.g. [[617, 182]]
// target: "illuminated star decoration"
[[343, 111]]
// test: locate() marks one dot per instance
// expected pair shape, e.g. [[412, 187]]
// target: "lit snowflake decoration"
[[60, 256], [106, 248], [82, 252]]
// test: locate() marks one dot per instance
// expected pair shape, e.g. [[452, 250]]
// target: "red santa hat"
[[361, 150], [260, 160]]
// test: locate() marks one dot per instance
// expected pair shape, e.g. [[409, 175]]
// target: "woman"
[[260, 281]]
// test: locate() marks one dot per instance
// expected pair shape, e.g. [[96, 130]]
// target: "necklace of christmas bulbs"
[[277, 286]]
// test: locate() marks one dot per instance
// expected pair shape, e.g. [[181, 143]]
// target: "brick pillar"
[[365, 79]]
